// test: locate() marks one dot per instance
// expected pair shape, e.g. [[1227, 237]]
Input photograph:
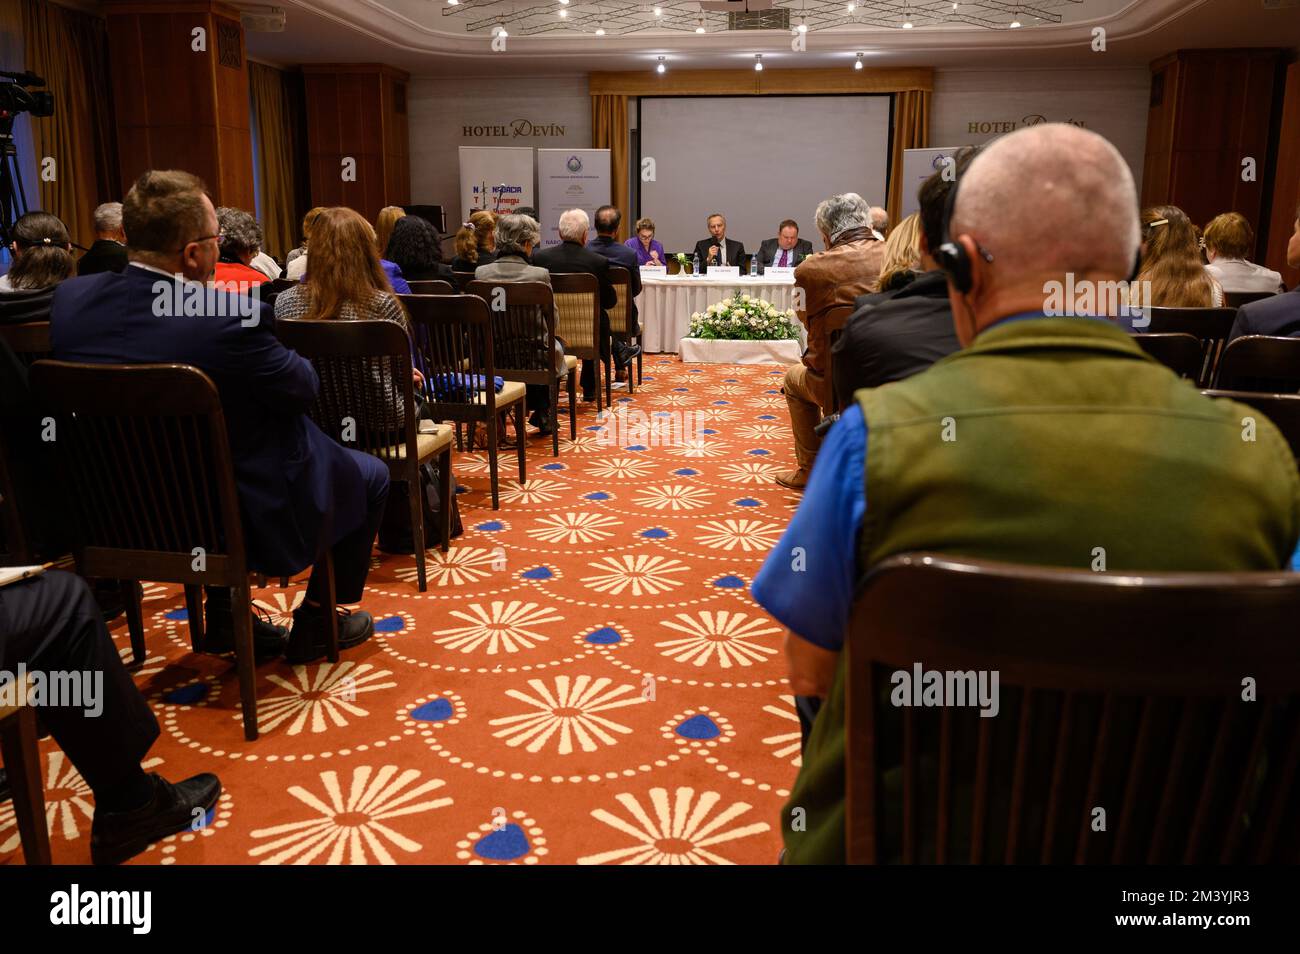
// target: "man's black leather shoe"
[[117, 836], [309, 640], [269, 641], [623, 354]]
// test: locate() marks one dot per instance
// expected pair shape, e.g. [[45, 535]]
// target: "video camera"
[[16, 98]]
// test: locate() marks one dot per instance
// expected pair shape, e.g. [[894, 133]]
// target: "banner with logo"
[[496, 178], [919, 165], [570, 179]]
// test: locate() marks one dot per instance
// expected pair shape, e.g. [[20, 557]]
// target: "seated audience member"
[[717, 249], [902, 255], [348, 283], [880, 222], [1280, 315], [517, 236], [263, 262], [1061, 425], [1228, 240], [849, 267], [606, 243], [108, 252], [1172, 272], [527, 210], [572, 255], [241, 240], [294, 482], [786, 250], [50, 623], [42, 258], [295, 263], [414, 248], [297, 269], [648, 249], [388, 216], [475, 242], [909, 329]]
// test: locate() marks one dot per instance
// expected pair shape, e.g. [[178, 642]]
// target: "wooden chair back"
[[1209, 326], [432, 286], [1237, 299], [1260, 363], [1282, 409], [1181, 353], [456, 348], [30, 341]]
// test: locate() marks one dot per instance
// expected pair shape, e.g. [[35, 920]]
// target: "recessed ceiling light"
[[659, 11], [660, 68], [907, 24], [563, 13], [857, 64], [564, 3], [852, 7], [600, 31], [758, 62], [452, 3], [1015, 24]]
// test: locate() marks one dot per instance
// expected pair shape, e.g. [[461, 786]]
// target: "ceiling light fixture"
[[758, 62], [563, 13], [852, 7], [803, 27], [700, 28], [659, 11], [600, 31], [452, 3], [660, 68], [857, 64]]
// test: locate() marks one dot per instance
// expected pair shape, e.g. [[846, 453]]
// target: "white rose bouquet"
[[742, 318]]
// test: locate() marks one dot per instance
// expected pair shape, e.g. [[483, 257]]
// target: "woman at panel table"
[[648, 251]]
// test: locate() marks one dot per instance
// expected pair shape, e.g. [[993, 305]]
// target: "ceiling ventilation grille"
[[776, 19]]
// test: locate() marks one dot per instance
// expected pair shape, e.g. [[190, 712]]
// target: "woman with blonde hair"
[[1171, 264], [902, 254], [295, 263], [475, 242], [384, 223], [1228, 243]]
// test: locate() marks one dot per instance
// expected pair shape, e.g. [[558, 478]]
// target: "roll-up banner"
[[496, 178], [570, 179]]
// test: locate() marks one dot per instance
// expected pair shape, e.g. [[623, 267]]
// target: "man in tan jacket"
[[849, 267]]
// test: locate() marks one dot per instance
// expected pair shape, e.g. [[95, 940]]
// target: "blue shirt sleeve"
[[808, 579]]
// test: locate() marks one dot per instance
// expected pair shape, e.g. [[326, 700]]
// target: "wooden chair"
[[432, 286], [520, 354], [149, 482], [269, 291], [1237, 299], [620, 315], [456, 347], [365, 378], [22, 761], [577, 321], [1115, 691], [1260, 363], [834, 322], [1282, 409], [29, 341], [1209, 326], [1179, 352]]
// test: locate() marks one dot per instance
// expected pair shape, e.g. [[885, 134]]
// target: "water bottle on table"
[[753, 264], [695, 264]]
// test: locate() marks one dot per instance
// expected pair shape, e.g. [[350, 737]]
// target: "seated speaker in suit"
[[299, 491], [717, 249], [786, 250], [108, 253], [572, 255], [516, 237], [606, 243]]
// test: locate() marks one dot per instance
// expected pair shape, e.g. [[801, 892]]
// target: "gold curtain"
[[70, 50], [277, 112], [911, 131], [609, 131]]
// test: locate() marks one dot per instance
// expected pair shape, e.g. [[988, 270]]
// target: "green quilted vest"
[[1053, 441]]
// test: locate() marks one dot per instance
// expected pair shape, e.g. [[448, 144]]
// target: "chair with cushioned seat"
[[620, 316], [577, 321]]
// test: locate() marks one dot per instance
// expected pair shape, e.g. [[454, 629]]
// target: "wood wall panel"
[[351, 112], [182, 109], [1286, 183]]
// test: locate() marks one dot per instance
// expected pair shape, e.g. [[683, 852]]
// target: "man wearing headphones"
[[1041, 441]]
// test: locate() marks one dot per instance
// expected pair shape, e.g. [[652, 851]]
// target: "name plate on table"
[[654, 270], [723, 271], [777, 271]]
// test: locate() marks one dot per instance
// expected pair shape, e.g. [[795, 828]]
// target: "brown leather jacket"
[[849, 268]]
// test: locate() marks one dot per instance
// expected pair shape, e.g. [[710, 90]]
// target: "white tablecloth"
[[666, 302]]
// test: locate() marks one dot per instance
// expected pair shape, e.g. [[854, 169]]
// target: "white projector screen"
[[758, 160]]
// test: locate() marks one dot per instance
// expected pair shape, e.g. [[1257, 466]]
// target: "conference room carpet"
[[587, 679]]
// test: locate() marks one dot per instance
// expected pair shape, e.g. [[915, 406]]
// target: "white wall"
[[1110, 102], [440, 109]]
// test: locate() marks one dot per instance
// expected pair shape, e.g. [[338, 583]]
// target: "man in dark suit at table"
[[299, 491], [108, 253], [1279, 315], [786, 250], [606, 243], [572, 256], [718, 249]]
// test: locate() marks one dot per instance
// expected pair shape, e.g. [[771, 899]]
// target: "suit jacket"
[[25, 305], [291, 477], [620, 254], [572, 257], [1278, 316], [511, 267], [104, 255], [768, 251], [735, 253], [894, 339]]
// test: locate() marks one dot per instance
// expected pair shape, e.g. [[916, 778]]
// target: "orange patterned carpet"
[[587, 679]]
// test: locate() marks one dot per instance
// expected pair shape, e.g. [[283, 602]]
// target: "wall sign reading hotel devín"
[[517, 129], [1006, 126]]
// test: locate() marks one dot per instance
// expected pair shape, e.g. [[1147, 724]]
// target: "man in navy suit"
[[606, 243], [299, 491], [1280, 315]]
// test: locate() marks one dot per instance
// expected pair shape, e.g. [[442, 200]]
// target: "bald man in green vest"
[[1049, 436]]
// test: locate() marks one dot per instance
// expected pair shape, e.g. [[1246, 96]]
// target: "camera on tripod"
[[16, 97]]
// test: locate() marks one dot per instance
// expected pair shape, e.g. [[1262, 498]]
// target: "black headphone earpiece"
[[951, 256]]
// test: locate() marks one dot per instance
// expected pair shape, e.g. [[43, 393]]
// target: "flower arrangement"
[[682, 261], [742, 318]]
